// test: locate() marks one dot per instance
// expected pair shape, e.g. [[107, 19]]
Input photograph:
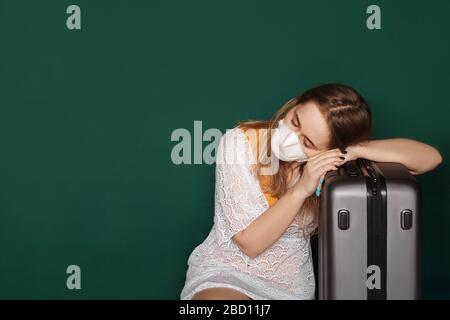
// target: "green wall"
[[86, 118]]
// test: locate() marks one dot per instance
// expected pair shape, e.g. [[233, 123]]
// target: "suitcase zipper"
[[376, 226]]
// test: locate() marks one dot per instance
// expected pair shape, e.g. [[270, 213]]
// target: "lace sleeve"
[[238, 199]]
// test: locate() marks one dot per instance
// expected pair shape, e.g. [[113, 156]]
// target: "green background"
[[86, 118]]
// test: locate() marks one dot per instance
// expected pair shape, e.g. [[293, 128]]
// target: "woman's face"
[[310, 125]]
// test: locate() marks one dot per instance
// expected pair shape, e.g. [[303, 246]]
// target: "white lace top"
[[282, 272]]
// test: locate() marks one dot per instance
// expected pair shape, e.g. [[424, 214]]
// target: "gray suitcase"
[[369, 245]]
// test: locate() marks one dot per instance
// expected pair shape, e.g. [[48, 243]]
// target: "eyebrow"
[[298, 120]]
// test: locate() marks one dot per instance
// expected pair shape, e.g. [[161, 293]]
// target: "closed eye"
[[306, 143]]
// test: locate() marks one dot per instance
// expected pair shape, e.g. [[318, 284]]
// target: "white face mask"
[[286, 145]]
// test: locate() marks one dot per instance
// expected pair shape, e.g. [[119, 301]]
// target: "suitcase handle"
[[352, 169], [368, 168]]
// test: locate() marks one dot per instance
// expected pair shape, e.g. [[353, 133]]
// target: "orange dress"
[[263, 180]]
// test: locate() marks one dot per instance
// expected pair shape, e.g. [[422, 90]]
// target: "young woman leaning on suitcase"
[[267, 173]]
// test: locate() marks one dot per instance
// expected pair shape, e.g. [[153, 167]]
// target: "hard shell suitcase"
[[369, 239]]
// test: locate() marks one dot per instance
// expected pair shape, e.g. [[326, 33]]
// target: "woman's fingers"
[[328, 160], [324, 155], [326, 152], [325, 168], [320, 164]]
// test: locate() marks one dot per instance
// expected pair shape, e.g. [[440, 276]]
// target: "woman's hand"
[[354, 151], [316, 168], [417, 156]]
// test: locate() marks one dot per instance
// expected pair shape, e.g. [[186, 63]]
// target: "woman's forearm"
[[271, 224], [418, 157]]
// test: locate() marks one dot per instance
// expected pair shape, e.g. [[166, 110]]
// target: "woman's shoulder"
[[244, 141], [233, 137], [251, 135], [233, 146], [235, 131]]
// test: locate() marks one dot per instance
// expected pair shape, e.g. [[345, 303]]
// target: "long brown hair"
[[349, 121]]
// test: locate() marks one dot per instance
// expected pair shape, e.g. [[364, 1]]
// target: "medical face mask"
[[286, 145]]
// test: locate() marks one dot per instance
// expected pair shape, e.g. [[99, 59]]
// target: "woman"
[[267, 173]]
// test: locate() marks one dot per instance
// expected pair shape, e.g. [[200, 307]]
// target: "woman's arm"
[[239, 214], [271, 224], [418, 157]]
